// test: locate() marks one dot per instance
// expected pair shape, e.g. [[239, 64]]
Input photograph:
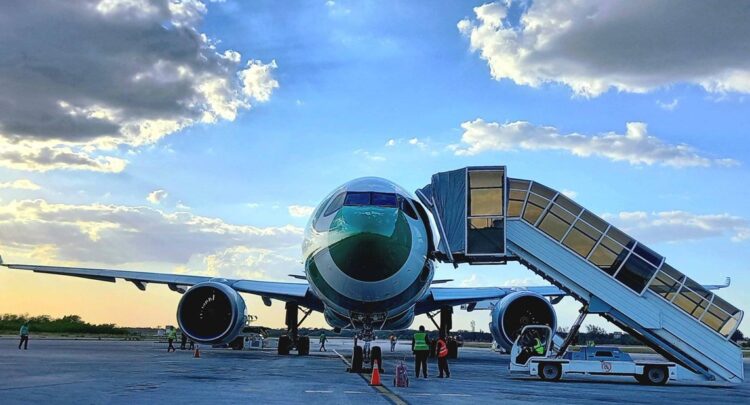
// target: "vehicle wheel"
[[376, 356], [357, 359], [285, 342], [656, 375], [303, 345], [237, 344], [550, 371]]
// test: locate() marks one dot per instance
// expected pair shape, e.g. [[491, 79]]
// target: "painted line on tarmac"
[[390, 395], [319, 391]]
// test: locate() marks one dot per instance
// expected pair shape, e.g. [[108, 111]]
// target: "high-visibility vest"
[[442, 348], [538, 346], [172, 334], [420, 341]]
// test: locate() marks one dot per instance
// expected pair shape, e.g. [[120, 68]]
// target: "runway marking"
[[319, 391], [455, 395], [380, 388]]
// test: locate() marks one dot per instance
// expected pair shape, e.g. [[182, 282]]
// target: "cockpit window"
[[384, 200], [337, 202], [407, 209], [356, 198]]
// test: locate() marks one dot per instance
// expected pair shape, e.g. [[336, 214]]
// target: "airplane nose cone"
[[369, 243]]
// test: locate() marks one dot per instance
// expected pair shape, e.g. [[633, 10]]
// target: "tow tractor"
[[525, 358]]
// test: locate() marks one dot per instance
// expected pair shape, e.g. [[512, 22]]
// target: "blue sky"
[[353, 76]]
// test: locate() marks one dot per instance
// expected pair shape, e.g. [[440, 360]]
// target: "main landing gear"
[[292, 340], [446, 324]]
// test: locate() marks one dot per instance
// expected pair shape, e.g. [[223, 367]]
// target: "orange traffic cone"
[[375, 380], [197, 353]]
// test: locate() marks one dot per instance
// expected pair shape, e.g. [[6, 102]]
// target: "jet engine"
[[517, 310], [211, 313]]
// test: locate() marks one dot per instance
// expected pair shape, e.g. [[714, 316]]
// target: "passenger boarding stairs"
[[616, 276]]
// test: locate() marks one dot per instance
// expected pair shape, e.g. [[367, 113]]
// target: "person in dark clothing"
[[442, 355], [183, 342], [420, 345], [24, 332]]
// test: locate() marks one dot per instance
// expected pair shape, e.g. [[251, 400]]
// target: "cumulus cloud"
[[21, 184], [635, 146], [633, 46], [110, 75], [156, 196], [674, 226], [300, 211], [116, 235]]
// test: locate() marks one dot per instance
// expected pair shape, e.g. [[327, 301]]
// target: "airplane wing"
[[435, 298], [296, 292]]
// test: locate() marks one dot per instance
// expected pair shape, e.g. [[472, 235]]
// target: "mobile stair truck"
[[589, 360]]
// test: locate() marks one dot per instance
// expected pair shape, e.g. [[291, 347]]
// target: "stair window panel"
[[534, 207], [733, 313], [648, 254], [636, 273], [665, 285], [486, 201], [556, 222], [543, 191], [608, 255], [582, 238], [568, 204], [715, 318], [594, 221], [515, 202], [620, 237], [690, 301]]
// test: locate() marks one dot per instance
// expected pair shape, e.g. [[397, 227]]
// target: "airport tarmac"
[[65, 371]]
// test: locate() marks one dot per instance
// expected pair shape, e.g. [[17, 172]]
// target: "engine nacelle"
[[211, 313], [517, 310]]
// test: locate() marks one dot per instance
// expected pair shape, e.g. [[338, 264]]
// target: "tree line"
[[66, 324]]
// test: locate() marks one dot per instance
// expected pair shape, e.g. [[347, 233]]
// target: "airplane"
[[369, 261]]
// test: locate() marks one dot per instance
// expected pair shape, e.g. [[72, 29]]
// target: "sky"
[[196, 137]]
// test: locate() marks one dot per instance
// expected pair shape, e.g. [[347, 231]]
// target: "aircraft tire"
[[655, 375], [376, 356], [238, 343], [550, 371], [357, 359], [303, 346], [284, 343]]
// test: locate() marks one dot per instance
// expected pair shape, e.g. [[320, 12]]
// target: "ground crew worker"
[[183, 342], [323, 340], [442, 355], [24, 332], [420, 345], [394, 339], [171, 336], [538, 346]]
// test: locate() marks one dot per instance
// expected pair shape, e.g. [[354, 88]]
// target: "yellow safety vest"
[[538, 346], [420, 341]]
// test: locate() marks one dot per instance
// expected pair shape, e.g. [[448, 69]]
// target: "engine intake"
[[517, 310], [211, 313]]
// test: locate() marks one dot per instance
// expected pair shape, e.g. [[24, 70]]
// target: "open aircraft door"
[[469, 208]]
